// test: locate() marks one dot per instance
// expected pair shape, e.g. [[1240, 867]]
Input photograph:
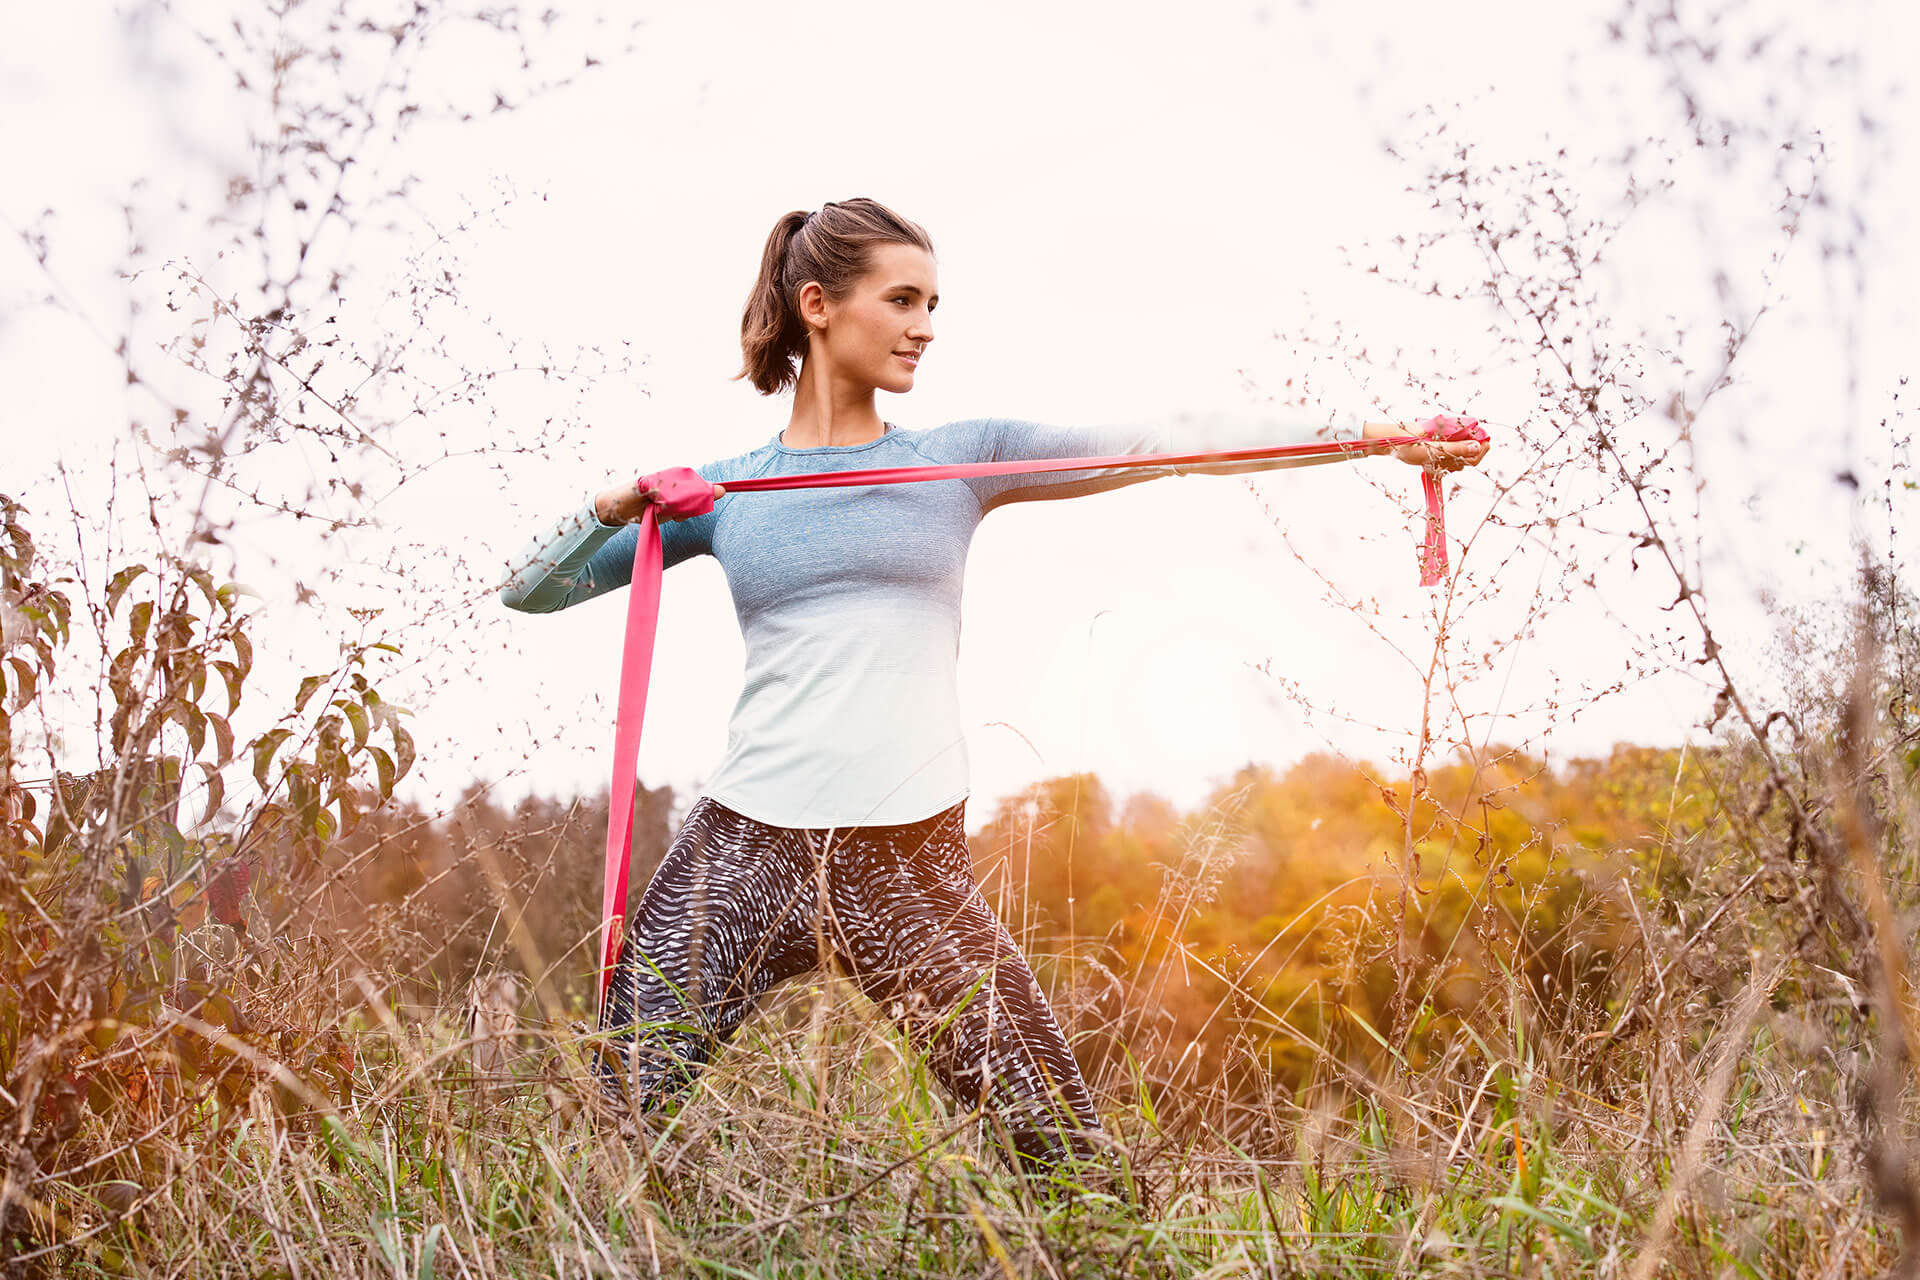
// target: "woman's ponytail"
[[833, 247], [771, 334]]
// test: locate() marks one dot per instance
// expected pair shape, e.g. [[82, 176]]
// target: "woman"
[[833, 827]]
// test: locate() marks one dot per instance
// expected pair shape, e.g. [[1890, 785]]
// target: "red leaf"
[[226, 888]]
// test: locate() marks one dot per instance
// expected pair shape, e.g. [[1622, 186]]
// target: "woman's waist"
[[859, 650], [828, 696]]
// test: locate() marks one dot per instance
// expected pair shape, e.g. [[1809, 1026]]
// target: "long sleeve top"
[[849, 603]]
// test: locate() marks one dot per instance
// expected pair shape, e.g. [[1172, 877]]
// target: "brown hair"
[[834, 247]]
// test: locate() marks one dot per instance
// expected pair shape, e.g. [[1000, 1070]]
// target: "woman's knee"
[[647, 1064]]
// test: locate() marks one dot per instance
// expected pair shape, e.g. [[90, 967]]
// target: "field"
[[1448, 991], [1624, 1018]]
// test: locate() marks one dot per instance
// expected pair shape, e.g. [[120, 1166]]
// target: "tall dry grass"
[[1681, 1055]]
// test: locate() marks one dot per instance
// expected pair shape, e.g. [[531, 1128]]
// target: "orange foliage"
[[1260, 932]]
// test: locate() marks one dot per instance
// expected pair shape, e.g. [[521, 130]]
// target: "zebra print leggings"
[[738, 907]]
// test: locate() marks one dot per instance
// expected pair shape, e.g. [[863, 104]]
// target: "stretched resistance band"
[[684, 493]]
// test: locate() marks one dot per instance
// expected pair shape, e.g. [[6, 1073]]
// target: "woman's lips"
[[911, 357]]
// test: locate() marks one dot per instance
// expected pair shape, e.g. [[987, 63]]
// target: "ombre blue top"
[[849, 602]]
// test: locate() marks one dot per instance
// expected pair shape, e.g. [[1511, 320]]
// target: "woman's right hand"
[[625, 504]]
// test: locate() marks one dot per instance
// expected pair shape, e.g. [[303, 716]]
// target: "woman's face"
[[876, 334]]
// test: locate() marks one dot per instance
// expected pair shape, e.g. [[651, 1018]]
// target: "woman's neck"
[[830, 411]]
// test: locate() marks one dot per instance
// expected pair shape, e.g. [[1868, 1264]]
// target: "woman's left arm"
[[1012, 439]]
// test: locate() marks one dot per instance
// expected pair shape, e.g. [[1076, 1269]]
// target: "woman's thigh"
[[924, 944], [731, 912]]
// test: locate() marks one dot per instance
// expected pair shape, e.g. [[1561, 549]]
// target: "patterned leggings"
[[738, 907]]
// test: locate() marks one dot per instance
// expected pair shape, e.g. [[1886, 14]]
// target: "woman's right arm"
[[584, 554], [574, 559]]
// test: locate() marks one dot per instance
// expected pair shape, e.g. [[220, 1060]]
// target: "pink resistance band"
[[685, 493]]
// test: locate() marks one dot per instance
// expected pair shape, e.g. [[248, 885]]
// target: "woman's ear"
[[812, 302]]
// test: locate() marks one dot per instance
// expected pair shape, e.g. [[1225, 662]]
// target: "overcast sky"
[[1136, 210]]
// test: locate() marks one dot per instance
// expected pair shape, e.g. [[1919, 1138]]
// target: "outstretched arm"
[[1009, 439]]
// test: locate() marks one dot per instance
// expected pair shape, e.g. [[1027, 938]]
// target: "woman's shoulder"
[[753, 462], [967, 440]]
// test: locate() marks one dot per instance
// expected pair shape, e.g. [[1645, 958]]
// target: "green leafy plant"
[[135, 980]]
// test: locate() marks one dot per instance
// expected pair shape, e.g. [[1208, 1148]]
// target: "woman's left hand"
[[1442, 454]]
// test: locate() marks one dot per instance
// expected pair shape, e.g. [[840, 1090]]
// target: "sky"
[[1138, 213]]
